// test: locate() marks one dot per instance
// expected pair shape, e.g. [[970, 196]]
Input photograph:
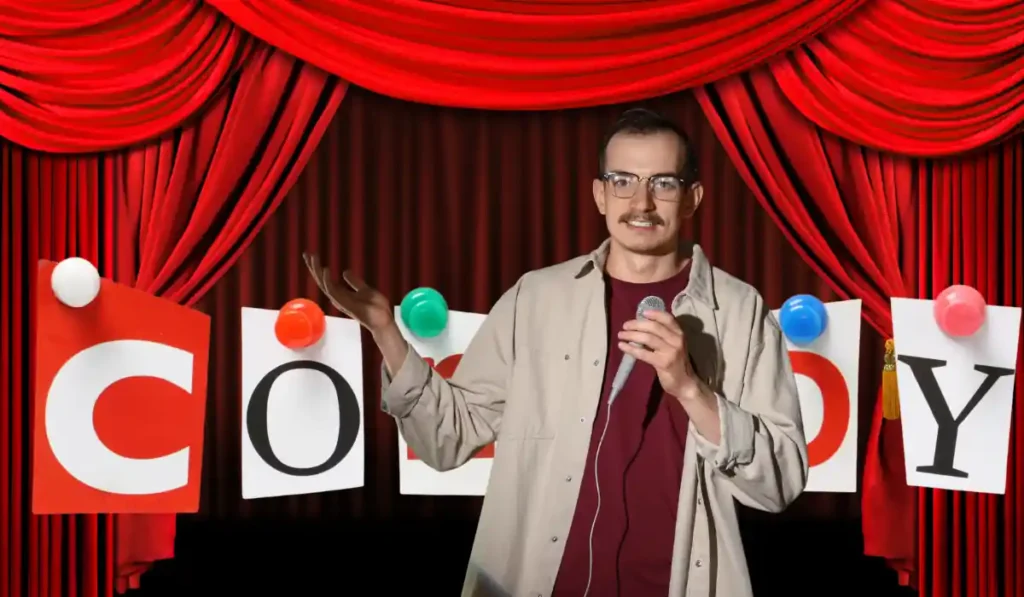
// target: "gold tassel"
[[890, 389]]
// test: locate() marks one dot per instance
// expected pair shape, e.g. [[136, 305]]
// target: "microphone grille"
[[651, 303]]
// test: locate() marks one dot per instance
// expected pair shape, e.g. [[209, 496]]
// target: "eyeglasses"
[[663, 187]]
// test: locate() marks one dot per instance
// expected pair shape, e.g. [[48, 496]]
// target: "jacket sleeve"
[[447, 421], [762, 451]]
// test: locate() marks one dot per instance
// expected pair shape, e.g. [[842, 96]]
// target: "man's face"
[[648, 222]]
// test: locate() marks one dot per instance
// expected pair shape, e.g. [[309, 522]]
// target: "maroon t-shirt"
[[640, 471]]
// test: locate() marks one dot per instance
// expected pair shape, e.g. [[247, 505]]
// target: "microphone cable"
[[650, 303], [597, 487]]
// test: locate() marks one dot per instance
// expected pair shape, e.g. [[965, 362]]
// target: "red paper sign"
[[120, 402]]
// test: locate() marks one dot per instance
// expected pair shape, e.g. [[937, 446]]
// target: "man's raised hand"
[[353, 296]]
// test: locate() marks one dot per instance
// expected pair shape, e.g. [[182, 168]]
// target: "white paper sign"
[[827, 372], [443, 352], [302, 410], [956, 397]]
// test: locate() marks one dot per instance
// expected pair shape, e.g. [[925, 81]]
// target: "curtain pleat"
[[142, 215], [875, 226]]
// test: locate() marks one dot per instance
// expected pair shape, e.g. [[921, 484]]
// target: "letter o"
[[835, 398], [348, 412]]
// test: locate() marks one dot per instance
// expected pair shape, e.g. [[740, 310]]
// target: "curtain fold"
[[917, 77], [837, 202], [876, 226], [227, 172], [52, 207], [970, 230], [82, 78], [537, 55], [144, 216], [840, 205]]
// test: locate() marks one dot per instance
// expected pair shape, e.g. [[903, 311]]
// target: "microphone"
[[650, 303]]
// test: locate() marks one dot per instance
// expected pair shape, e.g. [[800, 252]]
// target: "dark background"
[[787, 556], [465, 201]]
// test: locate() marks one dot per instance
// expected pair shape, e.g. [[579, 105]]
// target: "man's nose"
[[642, 199]]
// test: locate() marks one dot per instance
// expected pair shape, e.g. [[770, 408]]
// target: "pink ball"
[[959, 311]]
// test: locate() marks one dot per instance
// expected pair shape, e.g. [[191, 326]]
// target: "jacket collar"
[[700, 285]]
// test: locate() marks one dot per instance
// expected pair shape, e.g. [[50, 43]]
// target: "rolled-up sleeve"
[[737, 437], [762, 450], [403, 391], [446, 421]]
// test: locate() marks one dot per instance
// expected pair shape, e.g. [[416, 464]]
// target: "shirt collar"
[[700, 285]]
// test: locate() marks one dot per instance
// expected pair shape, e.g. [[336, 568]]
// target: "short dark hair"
[[643, 121]]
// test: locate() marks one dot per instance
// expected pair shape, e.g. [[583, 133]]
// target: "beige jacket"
[[531, 379]]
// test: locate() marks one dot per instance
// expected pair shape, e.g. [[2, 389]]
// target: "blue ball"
[[803, 318]]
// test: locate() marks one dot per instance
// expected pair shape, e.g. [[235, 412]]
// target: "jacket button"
[[554, 539], [567, 357], [698, 563]]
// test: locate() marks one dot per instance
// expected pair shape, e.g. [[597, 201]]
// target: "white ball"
[[75, 281]]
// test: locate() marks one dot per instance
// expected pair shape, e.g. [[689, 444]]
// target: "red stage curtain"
[[877, 226], [919, 77], [53, 207], [838, 203], [226, 171], [511, 54], [970, 230], [910, 76], [840, 207], [104, 75]]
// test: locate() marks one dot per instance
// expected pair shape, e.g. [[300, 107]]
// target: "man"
[[633, 496]]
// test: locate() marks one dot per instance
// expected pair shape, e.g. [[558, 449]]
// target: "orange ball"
[[300, 323]]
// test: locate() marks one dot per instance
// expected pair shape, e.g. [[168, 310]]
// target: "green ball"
[[424, 312]]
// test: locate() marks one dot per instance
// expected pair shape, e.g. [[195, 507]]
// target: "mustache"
[[653, 218]]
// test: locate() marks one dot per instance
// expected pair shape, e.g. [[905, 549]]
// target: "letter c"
[[72, 398]]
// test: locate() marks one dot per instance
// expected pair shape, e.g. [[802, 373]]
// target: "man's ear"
[[599, 195], [692, 200]]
